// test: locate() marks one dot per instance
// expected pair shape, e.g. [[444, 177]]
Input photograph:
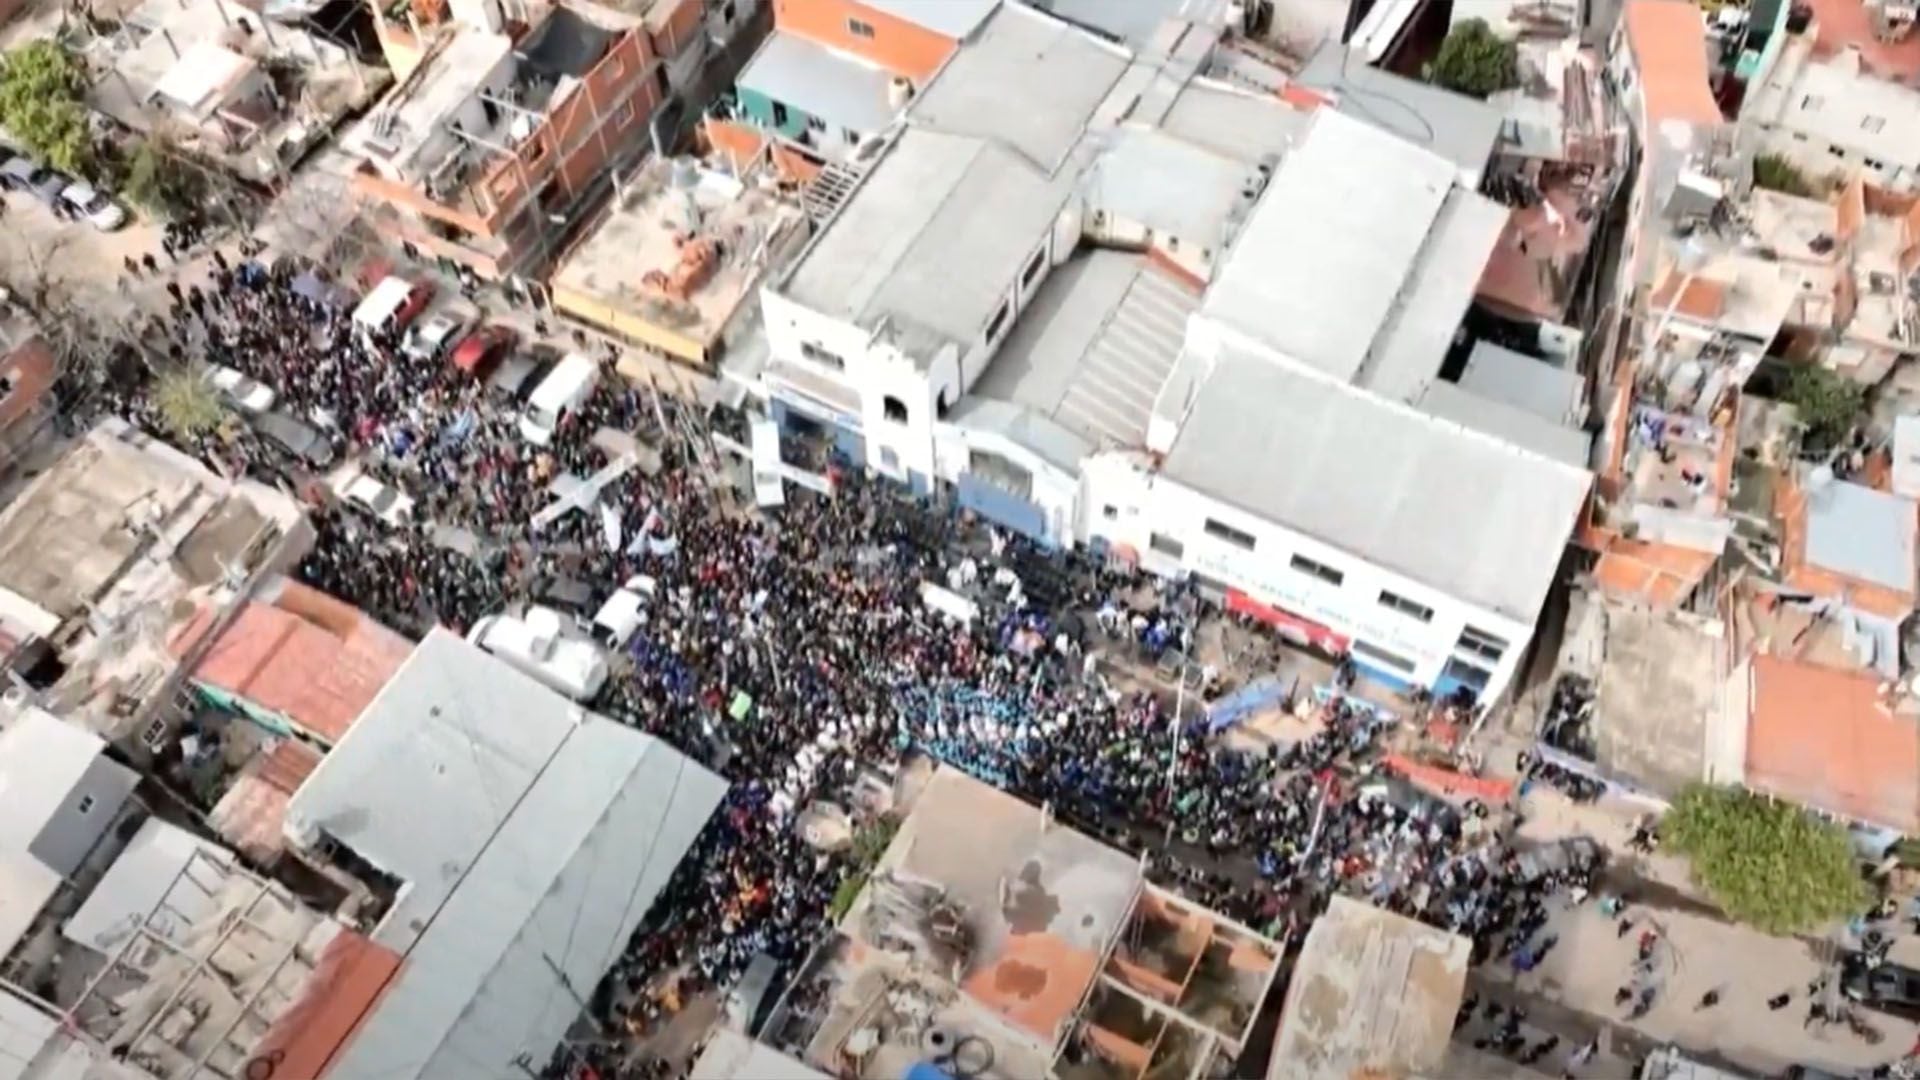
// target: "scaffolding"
[[205, 973]]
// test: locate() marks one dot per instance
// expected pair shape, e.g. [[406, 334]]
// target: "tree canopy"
[[1475, 61], [157, 182], [1765, 863], [1828, 404], [188, 405], [1776, 173], [42, 92]]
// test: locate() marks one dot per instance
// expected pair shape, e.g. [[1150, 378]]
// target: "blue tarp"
[[1259, 694]]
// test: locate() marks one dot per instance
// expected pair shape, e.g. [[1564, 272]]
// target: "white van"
[[570, 384], [538, 644], [624, 613]]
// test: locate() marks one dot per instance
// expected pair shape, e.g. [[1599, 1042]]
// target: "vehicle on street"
[[481, 351], [541, 644], [570, 386], [299, 439], [624, 613], [434, 335], [1889, 988], [519, 373], [241, 393], [25, 174], [391, 306], [387, 503], [93, 207]]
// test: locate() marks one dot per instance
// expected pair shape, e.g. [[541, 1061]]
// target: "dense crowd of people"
[[812, 616]]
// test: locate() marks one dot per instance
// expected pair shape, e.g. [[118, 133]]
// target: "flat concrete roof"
[[843, 90], [1460, 129], [1865, 534], [1657, 699], [1094, 346], [1372, 994]]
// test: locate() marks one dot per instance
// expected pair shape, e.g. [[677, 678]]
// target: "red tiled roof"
[[1700, 299], [1823, 737], [306, 1038], [1669, 42], [252, 814], [306, 656]]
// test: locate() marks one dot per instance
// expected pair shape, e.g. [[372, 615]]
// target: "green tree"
[[42, 102], [1766, 863], [1776, 173], [158, 182], [1475, 61], [188, 405], [1827, 404]]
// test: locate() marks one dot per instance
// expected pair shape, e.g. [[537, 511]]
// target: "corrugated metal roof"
[[1507, 423], [1498, 373], [1460, 129], [1094, 346], [1319, 265], [1863, 534], [1407, 355], [345, 985], [843, 90], [531, 835], [1174, 187], [1383, 481]]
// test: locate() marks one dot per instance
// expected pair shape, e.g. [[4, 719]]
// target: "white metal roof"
[[1406, 357], [843, 90], [1317, 269], [1507, 423], [531, 835], [200, 81], [41, 759], [931, 240], [1498, 373], [1227, 120], [1454, 509], [1460, 129], [385, 298], [948, 18], [1865, 534], [1029, 81], [1172, 186]]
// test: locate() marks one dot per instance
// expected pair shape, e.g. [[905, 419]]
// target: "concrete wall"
[[84, 817], [901, 47], [1125, 504]]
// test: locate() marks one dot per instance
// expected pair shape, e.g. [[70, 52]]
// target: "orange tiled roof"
[[1841, 23], [1657, 575], [1701, 299], [252, 814], [1669, 41], [1822, 737], [345, 987]]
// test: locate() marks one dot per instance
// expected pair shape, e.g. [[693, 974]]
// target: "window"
[[1404, 606], [627, 113], [1033, 268], [852, 137], [822, 357], [1836, 151], [1110, 512], [1173, 243], [999, 322], [1167, 545], [1473, 678], [1875, 163], [1872, 125], [1319, 570], [779, 115], [860, 29], [155, 736], [1381, 657], [1476, 642], [1229, 534], [1810, 102], [86, 805], [893, 409], [889, 459], [814, 123]]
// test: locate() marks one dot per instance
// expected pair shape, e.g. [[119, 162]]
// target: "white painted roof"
[[843, 90], [948, 18], [137, 882], [41, 759]]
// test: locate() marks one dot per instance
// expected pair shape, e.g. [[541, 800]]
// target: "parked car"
[[88, 204], [516, 377], [392, 305], [301, 440], [434, 336], [242, 394], [389, 504], [540, 644], [479, 352], [1889, 988], [25, 174]]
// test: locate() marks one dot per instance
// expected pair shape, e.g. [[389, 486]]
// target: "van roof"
[[385, 299], [564, 381]]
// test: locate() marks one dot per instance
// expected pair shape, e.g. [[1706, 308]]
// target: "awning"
[[1295, 628], [1450, 784]]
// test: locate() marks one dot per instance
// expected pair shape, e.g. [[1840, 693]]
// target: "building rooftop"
[[1236, 123], [134, 885], [1172, 186], [1862, 534], [1094, 346], [848, 93], [252, 814], [1501, 374], [1669, 43], [1533, 268], [1393, 499], [297, 654], [36, 1045], [1833, 740], [1837, 101], [1027, 81], [1508, 423], [1458, 128], [225, 969], [1353, 257], [413, 118], [41, 759], [632, 260], [949, 18], [510, 815], [1372, 994], [1135, 22], [929, 240], [730, 1055], [1844, 24], [1658, 709]]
